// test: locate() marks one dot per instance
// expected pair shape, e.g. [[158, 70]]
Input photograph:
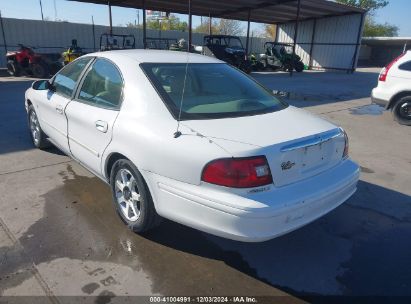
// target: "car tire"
[[299, 67], [13, 69], [38, 137], [131, 197], [402, 111], [287, 67]]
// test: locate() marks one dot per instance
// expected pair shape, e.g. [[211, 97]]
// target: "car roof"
[[156, 56]]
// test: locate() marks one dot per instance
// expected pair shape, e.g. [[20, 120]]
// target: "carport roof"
[[262, 11]]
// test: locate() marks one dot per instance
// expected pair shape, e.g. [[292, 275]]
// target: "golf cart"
[[227, 48], [110, 42], [280, 56], [182, 45], [160, 43]]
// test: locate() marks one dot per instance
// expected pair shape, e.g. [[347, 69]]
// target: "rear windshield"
[[211, 90]]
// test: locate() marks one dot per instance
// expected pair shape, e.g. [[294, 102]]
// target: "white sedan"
[[192, 139]]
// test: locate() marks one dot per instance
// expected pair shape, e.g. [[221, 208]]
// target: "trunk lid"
[[297, 144]]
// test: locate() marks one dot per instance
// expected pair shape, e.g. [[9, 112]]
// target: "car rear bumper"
[[262, 216], [378, 99]]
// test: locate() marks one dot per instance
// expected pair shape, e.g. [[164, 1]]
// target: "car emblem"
[[287, 165]]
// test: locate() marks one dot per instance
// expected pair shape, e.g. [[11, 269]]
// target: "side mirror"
[[42, 85]]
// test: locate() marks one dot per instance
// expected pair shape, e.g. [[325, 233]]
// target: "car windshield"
[[209, 90], [234, 43]]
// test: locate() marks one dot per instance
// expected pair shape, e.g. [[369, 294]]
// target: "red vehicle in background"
[[26, 61]]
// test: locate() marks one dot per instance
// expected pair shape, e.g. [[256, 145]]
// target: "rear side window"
[[102, 86], [406, 66], [65, 81]]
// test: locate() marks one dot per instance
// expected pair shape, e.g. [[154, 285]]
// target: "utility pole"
[[94, 33], [55, 10], [41, 10], [110, 18]]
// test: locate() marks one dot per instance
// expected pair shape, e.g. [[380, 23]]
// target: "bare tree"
[[229, 27], [204, 27]]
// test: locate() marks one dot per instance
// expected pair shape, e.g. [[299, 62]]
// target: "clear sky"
[[397, 13]]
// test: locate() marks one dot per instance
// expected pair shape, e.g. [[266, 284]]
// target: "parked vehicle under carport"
[[110, 42], [279, 56], [25, 61], [227, 48]]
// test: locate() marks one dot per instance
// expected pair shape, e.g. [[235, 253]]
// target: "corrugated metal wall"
[[54, 37], [328, 32], [305, 30]]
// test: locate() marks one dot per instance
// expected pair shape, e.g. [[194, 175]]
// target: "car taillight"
[[384, 71], [346, 147], [244, 172]]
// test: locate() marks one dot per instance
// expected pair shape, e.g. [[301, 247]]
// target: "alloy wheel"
[[405, 110], [34, 127], [127, 195]]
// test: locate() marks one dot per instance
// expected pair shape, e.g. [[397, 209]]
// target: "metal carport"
[[290, 13]]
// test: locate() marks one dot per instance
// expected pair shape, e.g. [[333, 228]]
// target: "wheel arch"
[[110, 160], [27, 104], [397, 97]]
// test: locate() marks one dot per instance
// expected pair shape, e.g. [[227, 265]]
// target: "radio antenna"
[[177, 133]]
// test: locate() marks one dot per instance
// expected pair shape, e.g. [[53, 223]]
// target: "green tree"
[[369, 5], [371, 27]]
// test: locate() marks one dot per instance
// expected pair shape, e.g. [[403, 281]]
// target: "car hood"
[[261, 130]]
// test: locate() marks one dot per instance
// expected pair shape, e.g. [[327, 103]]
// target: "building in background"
[[379, 51]]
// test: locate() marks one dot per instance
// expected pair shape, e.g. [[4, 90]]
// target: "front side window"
[[209, 90], [102, 85], [65, 81]]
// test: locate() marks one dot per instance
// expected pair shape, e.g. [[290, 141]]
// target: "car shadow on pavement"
[[360, 249]]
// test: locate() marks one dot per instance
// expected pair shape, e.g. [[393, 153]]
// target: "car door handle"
[[102, 126], [59, 109]]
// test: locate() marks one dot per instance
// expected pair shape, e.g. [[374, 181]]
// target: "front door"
[[91, 115], [51, 108]]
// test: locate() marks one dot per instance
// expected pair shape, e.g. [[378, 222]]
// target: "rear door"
[[51, 107], [91, 115]]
